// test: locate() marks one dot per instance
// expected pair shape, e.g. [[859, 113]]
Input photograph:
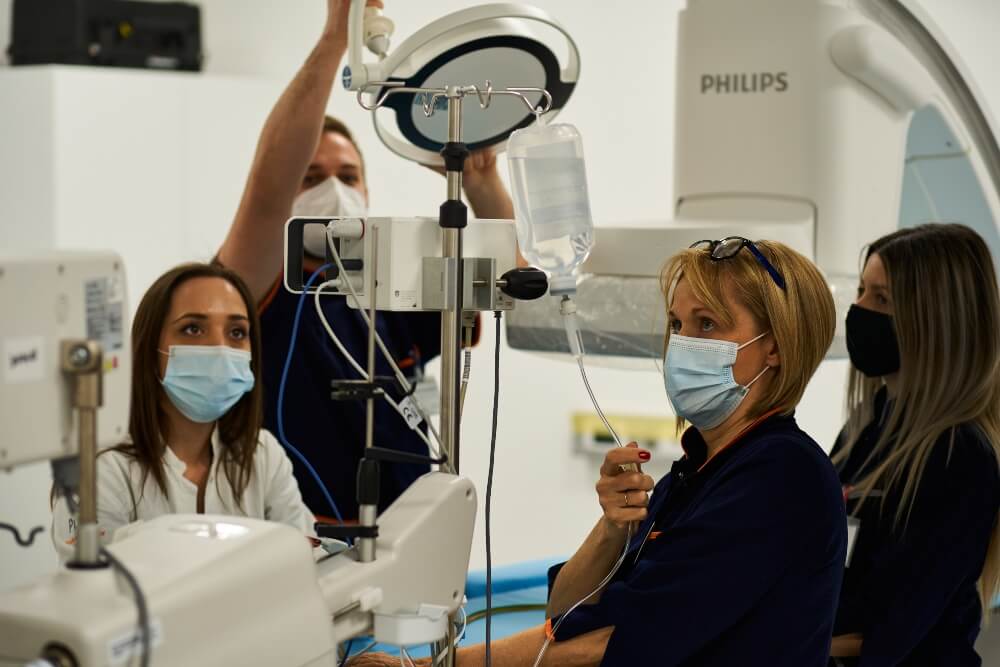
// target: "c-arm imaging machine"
[[792, 123]]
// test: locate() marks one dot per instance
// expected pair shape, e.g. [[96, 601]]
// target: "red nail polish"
[[644, 456]]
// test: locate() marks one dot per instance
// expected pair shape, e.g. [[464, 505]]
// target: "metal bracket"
[[82, 361], [479, 293]]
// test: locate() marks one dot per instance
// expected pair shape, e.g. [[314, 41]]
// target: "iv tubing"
[[568, 309], [403, 382], [356, 366]]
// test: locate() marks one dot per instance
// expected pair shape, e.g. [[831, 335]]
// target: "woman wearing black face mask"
[[918, 457]]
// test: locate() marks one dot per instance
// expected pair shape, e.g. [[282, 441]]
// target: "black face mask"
[[871, 342]]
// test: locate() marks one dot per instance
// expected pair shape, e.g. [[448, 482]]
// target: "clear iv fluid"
[[555, 229]]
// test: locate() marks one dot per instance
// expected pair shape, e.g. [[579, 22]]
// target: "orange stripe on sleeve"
[[269, 297]]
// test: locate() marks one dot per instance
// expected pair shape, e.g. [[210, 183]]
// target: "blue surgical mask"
[[204, 381], [699, 379]]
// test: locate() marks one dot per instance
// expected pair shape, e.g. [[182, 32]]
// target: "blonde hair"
[[801, 317], [946, 312]]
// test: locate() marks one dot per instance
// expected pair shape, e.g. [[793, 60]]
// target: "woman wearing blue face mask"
[[737, 556], [195, 438]]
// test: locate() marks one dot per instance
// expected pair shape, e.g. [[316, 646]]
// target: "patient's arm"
[[518, 650]]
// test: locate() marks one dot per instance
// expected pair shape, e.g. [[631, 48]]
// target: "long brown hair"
[[946, 311], [238, 429]]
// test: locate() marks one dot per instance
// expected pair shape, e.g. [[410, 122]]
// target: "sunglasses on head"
[[730, 246]]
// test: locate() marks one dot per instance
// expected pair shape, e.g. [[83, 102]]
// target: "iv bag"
[[548, 178]]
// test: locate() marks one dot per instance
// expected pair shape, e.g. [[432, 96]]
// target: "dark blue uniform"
[[911, 591], [746, 564], [332, 434]]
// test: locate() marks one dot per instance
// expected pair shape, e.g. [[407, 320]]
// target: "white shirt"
[[271, 493]]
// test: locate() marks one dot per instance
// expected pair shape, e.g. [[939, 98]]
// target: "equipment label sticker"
[[104, 298], [23, 360], [124, 647]]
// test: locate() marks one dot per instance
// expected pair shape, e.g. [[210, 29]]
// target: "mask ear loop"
[[766, 368], [753, 340], [759, 375]]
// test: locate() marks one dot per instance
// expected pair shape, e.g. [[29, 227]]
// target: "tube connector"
[[350, 229], [567, 308]]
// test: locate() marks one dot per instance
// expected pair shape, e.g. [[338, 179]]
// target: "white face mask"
[[331, 198]]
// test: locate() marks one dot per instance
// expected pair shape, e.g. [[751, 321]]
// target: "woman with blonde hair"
[[918, 457], [737, 557]]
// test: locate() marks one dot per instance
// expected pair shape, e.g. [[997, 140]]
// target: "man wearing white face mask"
[[308, 164]]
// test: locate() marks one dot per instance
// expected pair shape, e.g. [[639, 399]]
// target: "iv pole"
[[453, 218]]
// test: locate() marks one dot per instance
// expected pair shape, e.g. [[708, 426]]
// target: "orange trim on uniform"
[[308, 266], [269, 297], [740, 435], [654, 534], [326, 519], [548, 630]]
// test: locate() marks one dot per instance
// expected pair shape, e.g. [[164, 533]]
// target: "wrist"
[[612, 535], [334, 37], [484, 183]]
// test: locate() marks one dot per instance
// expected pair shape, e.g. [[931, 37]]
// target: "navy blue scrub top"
[[746, 564], [331, 434], [912, 593]]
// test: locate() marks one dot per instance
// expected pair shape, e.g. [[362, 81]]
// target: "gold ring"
[[626, 499]]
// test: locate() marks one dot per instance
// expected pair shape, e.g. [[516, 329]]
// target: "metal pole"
[[451, 320], [82, 360], [367, 514]]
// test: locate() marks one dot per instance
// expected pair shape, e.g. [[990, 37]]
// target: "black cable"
[[23, 541], [140, 603], [489, 488], [347, 653]]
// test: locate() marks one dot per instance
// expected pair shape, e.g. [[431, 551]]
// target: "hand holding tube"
[[624, 495]]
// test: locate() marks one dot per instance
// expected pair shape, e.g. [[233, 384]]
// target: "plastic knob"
[[525, 284]]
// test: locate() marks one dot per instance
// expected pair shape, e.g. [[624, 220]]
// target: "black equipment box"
[[116, 33]]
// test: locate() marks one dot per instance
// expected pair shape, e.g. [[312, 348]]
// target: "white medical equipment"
[[505, 43], [50, 299], [796, 120], [212, 589]]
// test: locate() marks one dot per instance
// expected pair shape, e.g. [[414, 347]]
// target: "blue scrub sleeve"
[[945, 540], [698, 579]]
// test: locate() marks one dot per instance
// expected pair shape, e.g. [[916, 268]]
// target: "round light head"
[[492, 43]]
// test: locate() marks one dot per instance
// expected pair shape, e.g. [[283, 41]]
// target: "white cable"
[[568, 310], [597, 407], [403, 382], [600, 586], [460, 635], [434, 449]]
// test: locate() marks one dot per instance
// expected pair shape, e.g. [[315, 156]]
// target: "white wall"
[[543, 502]]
